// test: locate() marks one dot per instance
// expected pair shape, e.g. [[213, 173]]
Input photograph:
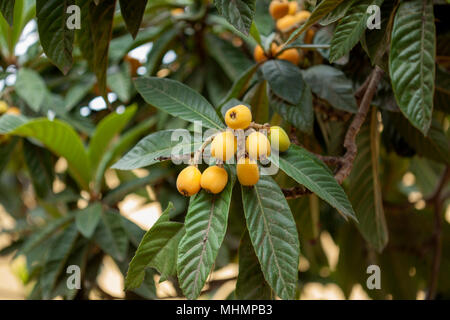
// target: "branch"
[[364, 96]]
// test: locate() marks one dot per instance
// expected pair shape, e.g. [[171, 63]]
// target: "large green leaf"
[[7, 10], [285, 79], [274, 235], [95, 35], [337, 13], [322, 9], [160, 241], [6, 152], [412, 61], [111, 236], [56, 39], [31, 88], [58, 137], [309, 171], [251, 284], [156, 145], [332, 85], [442, 93], [132, 13], [88, 219], [205, 224], [59, 253], [105, 132], [237, 12], [178, 100], [351, 28], [365, 189], [300, 115]]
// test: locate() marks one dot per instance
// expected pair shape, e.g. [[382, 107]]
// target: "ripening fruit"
[[286, 23], [14, 111], [302, 16], [238, 117], [214, 179], [278, 134], [309, 36], [293, 7], [291, 55], [278, 9], [188, 181], [258, 54], [177, 12], [224, 146], [247, 172], [257, 145]]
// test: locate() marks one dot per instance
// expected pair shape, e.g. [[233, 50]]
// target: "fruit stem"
[[202, 148], [258, 126]]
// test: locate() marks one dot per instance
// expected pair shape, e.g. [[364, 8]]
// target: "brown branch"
[[344, 164], [438, 203], [355, 126]]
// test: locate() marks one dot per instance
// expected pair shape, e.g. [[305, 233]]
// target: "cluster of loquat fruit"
[[6, 109], [288, 16], [224, 145]]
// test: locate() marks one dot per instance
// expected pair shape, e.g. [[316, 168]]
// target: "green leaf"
[[151, 149], [120, 83], [161, 240], [106, 131], [205, 224], [258, 100], [337, 13], [332, 85], [312, 173], [6, 152], [285, 80], [322, 9], [274, 235], [40, 167], [7, 10], [159, 49], [251, 284], [240, 85], [300, 115], [132, 13], [88, 219], [231, 59], [95, 35], [412, 61], [58, 137], [442, 92], [56, 39], [111, 236], [178, 100], [31, 88], [237, 12], [59, 253], [350, 29], [365, 188]]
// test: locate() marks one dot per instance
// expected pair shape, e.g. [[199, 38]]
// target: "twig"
[[438, 203]]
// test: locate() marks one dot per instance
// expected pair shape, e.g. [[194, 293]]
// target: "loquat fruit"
[[238, 117], [293, 7], [259, 54], [247, 172], [286, 23], [14, 111], [224, 146], [302, 16], [291, 55], [177, 12], [188, 181], [214, 179], [309, 36], [257, 145], [278, 9], [279, 139]]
